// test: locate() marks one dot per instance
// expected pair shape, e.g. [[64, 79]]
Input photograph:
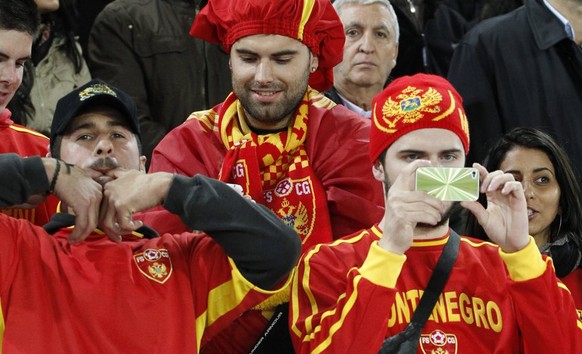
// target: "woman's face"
[[535, 171], [45, 6]]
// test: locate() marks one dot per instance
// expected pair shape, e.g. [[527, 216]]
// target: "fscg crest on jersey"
[[438, 342], [155, 264]]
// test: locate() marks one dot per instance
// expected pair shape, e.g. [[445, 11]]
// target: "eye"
[[352, 32], [449, 157], [248, 59], [542, 180], [84, 137], [411, 157], [382, 35], [282, 60]]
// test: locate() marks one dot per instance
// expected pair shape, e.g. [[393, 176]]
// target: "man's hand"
[[405, 208], [505, 219], [130, 191], [78, 191]]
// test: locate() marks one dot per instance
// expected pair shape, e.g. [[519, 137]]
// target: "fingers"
[[117, 215]]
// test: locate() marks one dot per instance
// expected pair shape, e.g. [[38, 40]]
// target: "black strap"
[[437, 281], [276, 338], [407, 340]]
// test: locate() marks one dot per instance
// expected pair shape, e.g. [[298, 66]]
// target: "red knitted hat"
[[416, 102], [315, 23]]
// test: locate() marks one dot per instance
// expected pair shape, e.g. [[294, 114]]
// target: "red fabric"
[[225, 21], [416, 102], [26, 142], [62, 298], [574, 283], [336, 145], [336, 309], [274, 169]]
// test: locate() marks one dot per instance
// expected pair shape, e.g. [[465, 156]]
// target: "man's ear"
[[314, 63], [142, 163], [378, 171]]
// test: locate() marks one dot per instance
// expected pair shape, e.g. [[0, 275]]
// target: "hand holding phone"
[[449, 183]]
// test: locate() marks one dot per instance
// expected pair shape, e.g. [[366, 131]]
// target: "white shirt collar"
[[567, 27], [353, 107]]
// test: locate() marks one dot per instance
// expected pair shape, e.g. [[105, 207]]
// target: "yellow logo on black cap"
[[96, 89]]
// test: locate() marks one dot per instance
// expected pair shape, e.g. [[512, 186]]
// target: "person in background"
[[18, 24], [276, 135], [552, 191], [351, 295], [98, 284], [370, 52], [143, 47], [523, 68], [56, 67]]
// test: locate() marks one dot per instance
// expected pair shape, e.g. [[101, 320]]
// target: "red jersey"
[[26, 142], [347, 297], [175, 288], [574, 283]]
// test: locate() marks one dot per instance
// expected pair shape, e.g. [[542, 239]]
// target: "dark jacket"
[[520, 69], [143, 47]]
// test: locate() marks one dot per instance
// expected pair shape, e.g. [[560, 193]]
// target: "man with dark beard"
[[351, 295], [289, 147], [99, 292]]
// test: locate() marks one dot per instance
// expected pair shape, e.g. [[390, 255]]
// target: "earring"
[[313, 68]]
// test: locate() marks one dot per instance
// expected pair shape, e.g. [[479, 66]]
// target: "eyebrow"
[[447, 151], [91, 125], [6, 56], [535, 170], [276, 54]]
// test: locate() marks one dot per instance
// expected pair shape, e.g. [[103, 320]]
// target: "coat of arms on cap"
[[97, 89], [410, 106]]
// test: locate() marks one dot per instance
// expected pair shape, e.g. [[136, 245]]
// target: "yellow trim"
[[423, 243], [26, 130], [2, 326], [337, 325], [525, 264], [374, 266], [305, 283], [448, 111], [305, 15]]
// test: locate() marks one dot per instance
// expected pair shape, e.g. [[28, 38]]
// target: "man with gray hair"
[[370, 51]]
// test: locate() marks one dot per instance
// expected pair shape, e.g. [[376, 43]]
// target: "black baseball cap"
[[94, 93]]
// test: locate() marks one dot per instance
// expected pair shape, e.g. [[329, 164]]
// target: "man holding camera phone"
[[352, 295]]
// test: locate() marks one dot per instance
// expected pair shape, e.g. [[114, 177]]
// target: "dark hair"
[[567, 178], [62, 24], [19, 15]]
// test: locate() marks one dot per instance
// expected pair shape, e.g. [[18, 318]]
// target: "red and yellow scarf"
[[274, 169]]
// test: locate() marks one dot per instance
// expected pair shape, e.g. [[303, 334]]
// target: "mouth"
[[365, 64], [531, 213], [266, 96]]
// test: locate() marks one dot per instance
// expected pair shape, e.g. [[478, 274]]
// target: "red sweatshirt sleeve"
[[333, 306]]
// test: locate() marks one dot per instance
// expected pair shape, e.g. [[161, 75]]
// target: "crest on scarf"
[[155, 264], [438, 342], [411, 105], [289, 204]]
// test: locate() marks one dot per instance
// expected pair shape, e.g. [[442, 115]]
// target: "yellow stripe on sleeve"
[[525, 264]]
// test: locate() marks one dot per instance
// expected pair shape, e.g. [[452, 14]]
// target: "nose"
[[104, 147], [367, 42], [264, 73], [528, 190]]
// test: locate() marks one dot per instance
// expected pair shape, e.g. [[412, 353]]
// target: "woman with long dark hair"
[[553, 195]]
